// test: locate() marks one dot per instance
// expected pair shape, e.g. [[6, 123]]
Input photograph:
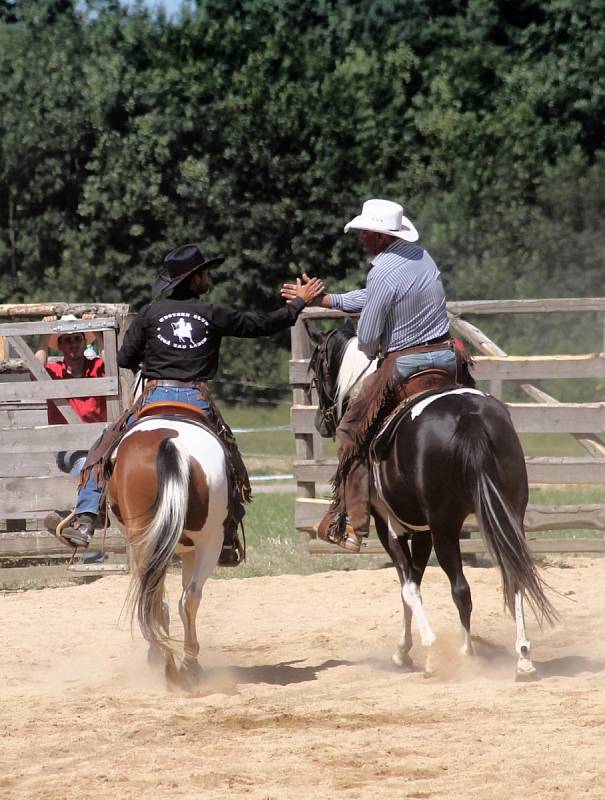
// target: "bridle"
[[321, 379], [328, 404]]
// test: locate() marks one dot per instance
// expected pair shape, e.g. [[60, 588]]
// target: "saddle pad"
[[167, 418], [426, 401], [383, 441]]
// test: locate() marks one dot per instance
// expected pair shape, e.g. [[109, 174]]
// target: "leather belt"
[[174, 384], [440, 343], [425, 348]]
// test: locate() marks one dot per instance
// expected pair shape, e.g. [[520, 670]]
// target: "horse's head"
[[325, 363]]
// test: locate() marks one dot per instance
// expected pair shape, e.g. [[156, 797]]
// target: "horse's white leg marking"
[[400, 657], [467, 646], [410, 593], [525, 668]]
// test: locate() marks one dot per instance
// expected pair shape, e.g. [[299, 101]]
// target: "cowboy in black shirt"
[[175, 341], [178, 337]]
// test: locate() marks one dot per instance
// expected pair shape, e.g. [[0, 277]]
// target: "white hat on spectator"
[[383, 216], [54, 337]]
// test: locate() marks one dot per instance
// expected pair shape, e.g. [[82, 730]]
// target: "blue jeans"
[[89, 495], [71, 461], [435, 359]]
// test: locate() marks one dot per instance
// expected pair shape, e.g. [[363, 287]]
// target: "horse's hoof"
[[155, 659], [403, 661], [190, 675], [526, 674]]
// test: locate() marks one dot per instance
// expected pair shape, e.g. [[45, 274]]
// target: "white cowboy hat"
[[383, 216], [54, 337]]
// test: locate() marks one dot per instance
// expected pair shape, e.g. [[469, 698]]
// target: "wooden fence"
[[31, 485], [544, 414]]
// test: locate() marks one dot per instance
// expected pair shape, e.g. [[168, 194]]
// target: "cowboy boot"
[[357, 501], [233, 551], [335, 527], [79, 530]]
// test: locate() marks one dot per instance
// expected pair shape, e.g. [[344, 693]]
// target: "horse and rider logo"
[[182, 331]]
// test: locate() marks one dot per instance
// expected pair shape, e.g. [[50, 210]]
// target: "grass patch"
[[266, 452], [551, 444], [275, 547], [577, 495]]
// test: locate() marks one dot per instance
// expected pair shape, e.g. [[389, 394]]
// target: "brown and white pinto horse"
[[168, 491], [455, 453]]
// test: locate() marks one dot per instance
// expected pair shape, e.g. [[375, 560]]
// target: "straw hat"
[[383, 216], [53, 340]]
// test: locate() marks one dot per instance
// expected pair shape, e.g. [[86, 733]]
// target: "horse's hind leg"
[[158, 658], [155, 656], [188, 608], [197, 566], [525, 669], [410, 590], [421, 546], [447, 550]]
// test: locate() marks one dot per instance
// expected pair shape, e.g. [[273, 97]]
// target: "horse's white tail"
[[157, 542]]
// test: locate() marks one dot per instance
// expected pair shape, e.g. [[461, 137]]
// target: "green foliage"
[[259, 127]]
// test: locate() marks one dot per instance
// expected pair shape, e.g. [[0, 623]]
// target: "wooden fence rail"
[[545, 415]]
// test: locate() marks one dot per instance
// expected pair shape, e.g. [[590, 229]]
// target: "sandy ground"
[[300, 698]]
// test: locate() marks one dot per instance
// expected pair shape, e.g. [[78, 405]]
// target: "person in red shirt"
[[89, 409], [74, 365]]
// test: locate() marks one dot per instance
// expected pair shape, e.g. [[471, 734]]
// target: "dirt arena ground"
[[300, 698]]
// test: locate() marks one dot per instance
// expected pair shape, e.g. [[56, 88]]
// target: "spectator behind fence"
[[75, 364]]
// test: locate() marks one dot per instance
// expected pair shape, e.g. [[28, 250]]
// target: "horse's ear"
[[349, 329], [314, 333]]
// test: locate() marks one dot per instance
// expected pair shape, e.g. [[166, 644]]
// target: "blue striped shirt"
[[403, 303]]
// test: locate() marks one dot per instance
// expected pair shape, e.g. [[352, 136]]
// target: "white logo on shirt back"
[[182, 330]]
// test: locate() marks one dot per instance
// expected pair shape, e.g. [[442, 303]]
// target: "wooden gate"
[[545, 414], [30, 483]]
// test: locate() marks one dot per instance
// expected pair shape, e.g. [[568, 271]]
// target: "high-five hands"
[[311, 290]]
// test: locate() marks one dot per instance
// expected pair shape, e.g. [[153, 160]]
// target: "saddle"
[[173, 408], [417, 387], [421, 382]]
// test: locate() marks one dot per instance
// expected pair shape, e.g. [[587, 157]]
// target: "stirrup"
[[233, 552], [62, 524], [77, 537], [342, 536], [351, 541]]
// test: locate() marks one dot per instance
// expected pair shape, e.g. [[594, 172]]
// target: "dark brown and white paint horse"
[[454, 454], [168, 492]]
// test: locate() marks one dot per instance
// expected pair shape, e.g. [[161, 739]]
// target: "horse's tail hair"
[[501, 527], [156, 544]]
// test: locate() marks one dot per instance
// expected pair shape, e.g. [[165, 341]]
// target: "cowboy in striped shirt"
[[401, 307]]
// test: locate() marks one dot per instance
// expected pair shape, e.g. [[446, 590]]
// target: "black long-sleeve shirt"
[[180, 339]]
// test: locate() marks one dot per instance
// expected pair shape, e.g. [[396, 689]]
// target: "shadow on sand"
[[281, 674], [568, 667]]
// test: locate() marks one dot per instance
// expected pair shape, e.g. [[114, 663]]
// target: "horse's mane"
[[353, 364]]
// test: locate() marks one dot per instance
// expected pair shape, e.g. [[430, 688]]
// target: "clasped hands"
[[311, 290]]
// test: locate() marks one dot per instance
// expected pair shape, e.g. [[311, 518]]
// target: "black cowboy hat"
[[179, 264]]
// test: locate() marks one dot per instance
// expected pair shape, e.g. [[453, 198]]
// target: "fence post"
[[301, 348]]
